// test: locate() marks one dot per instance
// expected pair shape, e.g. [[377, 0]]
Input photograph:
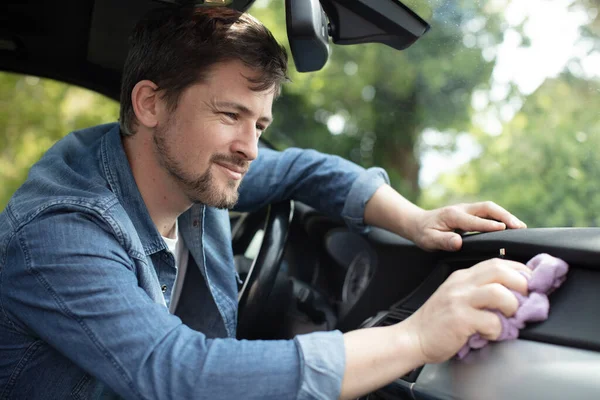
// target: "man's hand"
[[435, 229], [458, 309], [437, 330]]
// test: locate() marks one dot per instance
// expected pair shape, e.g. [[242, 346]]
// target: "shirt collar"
[[121, 181]]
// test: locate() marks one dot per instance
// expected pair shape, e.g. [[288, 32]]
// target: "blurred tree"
[[35, 113], [592, 29], [545, 166], [371, 102]]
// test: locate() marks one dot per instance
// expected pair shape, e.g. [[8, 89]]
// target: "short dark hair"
[[175, 47]]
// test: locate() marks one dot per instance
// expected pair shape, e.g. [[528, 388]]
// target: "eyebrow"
[[242, 109]]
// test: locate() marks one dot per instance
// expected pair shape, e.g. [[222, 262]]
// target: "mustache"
[[230, 159]]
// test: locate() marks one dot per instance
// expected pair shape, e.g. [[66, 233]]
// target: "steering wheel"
[[257, 287]]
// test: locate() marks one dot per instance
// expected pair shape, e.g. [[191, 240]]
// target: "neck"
[[162, 195]]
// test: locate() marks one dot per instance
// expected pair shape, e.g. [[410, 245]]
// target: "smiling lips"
[[233, 171]]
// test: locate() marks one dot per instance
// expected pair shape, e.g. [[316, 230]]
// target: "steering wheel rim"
[[259, 283]]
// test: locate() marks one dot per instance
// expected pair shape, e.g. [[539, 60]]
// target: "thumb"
[[449, 241], [437, 240]]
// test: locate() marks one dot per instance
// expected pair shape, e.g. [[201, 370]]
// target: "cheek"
[[202, 136], [185, 146], [200, 144], [216, 137]]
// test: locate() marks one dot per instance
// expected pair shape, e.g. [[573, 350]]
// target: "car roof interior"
[[68, 40]]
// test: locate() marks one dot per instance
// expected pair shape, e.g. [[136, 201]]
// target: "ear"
[[144, 99]]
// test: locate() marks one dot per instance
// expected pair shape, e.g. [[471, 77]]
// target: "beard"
[[199, 189]]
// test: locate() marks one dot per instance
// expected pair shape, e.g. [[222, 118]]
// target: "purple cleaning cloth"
[[548, 274]]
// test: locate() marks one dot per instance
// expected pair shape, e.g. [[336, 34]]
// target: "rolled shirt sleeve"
[[330, 184], [323, 360], [360, 193]]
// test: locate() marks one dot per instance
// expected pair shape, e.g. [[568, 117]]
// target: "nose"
[[246, 143]]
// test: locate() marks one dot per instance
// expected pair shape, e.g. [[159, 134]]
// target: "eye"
[[230, 115], [260, 128]]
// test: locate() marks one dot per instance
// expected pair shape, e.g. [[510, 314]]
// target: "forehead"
[[230, 84], [232, 81], [235, 74]]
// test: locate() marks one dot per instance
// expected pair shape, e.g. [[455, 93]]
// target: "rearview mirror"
[[307, 30], [311, 22]]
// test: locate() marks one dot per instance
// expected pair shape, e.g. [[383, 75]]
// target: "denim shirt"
[[83, 270]]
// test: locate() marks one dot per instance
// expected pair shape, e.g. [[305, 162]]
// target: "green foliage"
[[545, 166], [384, 97], [34, 114]]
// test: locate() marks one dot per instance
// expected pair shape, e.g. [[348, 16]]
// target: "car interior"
[[303, 271]]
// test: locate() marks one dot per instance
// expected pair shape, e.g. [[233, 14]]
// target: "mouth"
[[233, 171]]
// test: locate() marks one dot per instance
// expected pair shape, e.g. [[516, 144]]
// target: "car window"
[[34, 114], [498, 101]]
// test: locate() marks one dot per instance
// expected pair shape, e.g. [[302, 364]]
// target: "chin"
[[223, 199]]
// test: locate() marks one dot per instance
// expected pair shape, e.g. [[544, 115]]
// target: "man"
[[97, 242]]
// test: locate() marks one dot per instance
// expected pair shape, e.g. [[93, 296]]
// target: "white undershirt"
[[180, 251]]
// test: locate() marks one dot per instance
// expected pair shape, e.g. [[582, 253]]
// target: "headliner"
[[68, 40]]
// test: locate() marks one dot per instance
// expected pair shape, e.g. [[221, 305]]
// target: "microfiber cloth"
[[548, 274]]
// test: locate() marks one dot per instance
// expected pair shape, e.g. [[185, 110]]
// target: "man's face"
[[207, 143]]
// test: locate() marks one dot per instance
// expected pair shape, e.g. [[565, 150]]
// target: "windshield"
[[498, 101]]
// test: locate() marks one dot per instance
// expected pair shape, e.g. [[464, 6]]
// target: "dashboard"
[[556, 359]]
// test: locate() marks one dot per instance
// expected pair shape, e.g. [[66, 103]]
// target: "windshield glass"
[[498, 101]]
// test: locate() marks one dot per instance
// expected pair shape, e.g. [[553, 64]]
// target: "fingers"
[[505, 272], [491, 210], [497, 263], [470, 301], [496, 297], [486, 323], [442, 240], [471, 223], [437, 232]]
